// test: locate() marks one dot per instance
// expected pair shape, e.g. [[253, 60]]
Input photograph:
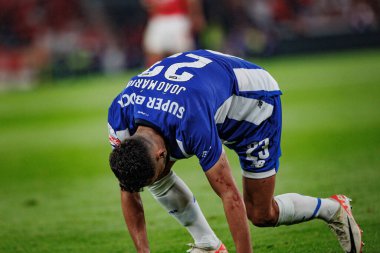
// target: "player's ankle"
[[329, 208], [208, 241]]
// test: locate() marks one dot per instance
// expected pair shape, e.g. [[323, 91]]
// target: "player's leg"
[[259, 161], [298, 208], [154, 41], [174, 195], [262, 210], [179, 32], [291, 208]]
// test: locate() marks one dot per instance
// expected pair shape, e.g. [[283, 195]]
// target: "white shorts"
[[168, 34]]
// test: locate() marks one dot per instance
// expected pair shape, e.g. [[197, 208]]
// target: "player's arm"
[[133, 212], [224, 185]]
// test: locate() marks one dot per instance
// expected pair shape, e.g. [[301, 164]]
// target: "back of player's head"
[[132, 164]]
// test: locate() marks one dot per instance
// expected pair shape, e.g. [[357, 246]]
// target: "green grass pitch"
[[58, 195]]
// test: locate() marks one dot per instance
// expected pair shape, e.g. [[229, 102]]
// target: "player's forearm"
[[133, 212], [221, 180], [235, 211]]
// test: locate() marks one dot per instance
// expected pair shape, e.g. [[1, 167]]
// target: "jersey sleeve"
[[118, 131], [205, 143]]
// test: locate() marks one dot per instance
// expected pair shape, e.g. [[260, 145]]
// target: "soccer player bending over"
[[190, 104]]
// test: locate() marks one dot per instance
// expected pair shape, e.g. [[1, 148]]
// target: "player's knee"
[[261, 218], [264, 220]]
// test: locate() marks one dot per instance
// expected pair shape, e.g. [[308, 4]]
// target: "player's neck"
[[151, 135]]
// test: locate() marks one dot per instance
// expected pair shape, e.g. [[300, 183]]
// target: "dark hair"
[[132, 164]]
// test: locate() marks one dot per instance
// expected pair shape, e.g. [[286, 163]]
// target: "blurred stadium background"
[[59, 38], [63, 61]]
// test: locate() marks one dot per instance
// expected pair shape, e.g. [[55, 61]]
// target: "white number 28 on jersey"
[[171, 74]]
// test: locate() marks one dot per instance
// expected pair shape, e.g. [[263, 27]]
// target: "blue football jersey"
[[197, 100]]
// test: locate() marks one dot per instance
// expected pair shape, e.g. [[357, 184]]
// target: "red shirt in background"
[[166, 7]]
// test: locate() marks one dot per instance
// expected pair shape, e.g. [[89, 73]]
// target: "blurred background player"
[[172, 27]]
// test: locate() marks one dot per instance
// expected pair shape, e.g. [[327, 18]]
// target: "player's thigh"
[[168, 34], [260, 162], [262, 209], [181, 38], [258, 193]]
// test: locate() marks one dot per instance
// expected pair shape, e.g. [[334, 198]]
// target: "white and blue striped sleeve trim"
[[255, 80]]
